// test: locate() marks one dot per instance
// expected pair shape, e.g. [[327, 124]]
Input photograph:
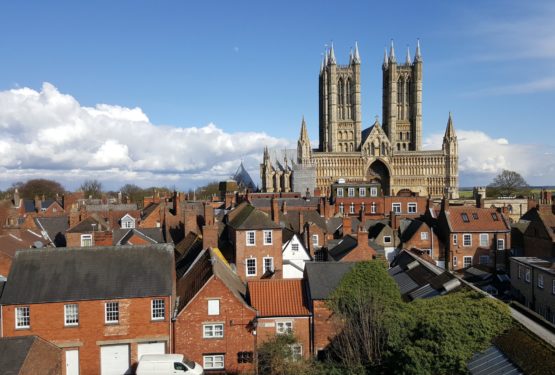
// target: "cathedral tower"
[[340, 112], [450, 149], [402, 100], [304, 149]]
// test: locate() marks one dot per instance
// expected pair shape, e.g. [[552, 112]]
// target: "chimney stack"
[[208, 214], [284, 208], [347, 226], [275, 210]]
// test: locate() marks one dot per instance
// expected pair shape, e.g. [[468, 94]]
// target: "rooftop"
[[284, 297]]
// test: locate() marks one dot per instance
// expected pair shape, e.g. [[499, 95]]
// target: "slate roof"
[[78, 274], [86, 225], [187, 251], [492, 361], [342, 247], [14, 351], [54, 227], [29, 205], [112, 207], [324, 277], [484, 223], [278, 297], [291, 220], [152, 235], [290, 203], [409, 227], [248, 217]]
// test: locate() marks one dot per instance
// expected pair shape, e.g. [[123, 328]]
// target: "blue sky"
[[247, 72]]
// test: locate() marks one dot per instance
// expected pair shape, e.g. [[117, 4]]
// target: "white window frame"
[[484, 258], [361, 191], [455, 262], [315, 240], [340, 192], [250, 274], [22, 317], [296, 351], [341, 208], [86, 238], [465, 237], [213, 307], [424, 235], [482, 241], [527, 274], [268, 237], [455, 239], [264, 268], [352, 208], [213, 331], [373, 191], [158, 309], [540, 281], [111, 310], [284, 327], [396, 208], [248, 238], [373, 208], [71, 315], [386, 239], [210, 362], [412, 208], [500, 244], [465, 258], [351, 192]]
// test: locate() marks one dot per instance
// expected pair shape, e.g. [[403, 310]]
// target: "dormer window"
[[127, 222]]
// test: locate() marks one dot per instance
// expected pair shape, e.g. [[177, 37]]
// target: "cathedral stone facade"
[[389, 153]]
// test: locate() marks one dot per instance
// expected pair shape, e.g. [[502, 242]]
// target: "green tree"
[[508, 184], [276, 356], [91, 188], [38, 187]]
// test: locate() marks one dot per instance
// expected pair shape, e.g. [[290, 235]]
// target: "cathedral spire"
[[322, 66], [304, 132], [408, 60], [356, 57], [385, 58], [332, 55], [351, 60], [450, 130], [417, 55], [392, 53]]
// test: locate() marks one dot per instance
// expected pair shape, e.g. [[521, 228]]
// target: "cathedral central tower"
[[340, 112]]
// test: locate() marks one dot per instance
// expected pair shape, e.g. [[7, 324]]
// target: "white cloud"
[[481, 157], [49, 134]]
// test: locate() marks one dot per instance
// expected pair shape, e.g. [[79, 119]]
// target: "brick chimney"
[[208, 214], [301, 221], [37, 203], [210, 235], [347, 226], [445, 203], [74, 216], [190, 220], [275, 210], [284, 208]]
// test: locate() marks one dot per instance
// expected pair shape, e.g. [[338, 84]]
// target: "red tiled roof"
[[278, 297], [479, 219]]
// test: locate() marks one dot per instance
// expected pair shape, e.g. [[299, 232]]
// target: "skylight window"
[[465, 217], [475, 216], [494, 216]]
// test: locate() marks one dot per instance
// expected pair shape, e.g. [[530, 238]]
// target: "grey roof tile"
[[324, 277]]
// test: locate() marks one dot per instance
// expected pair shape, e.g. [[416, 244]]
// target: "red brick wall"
[[325, 325], [475, 250], [266, 329], [235, 316], [43, 358], [5, 264], [73, 239], [47, 321], [417, 242], [259, 251], [154, 220]]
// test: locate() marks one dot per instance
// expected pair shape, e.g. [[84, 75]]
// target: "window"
[[158, 309], [500, 244], [362, 192], [494, 216], [423, 235], [213, 331], [396, 208], [540, 281], [244, 357], [213, 362], [352, 208], [268, 264], [341, 208], [284, 327], [351, 192], [484, 259], [373, 208], [475, 216], [251, 238], [455, 239], [296, 351], [340, 192], [467, 239], [464, 217], [373, 191], [86, 240], [71, 314], [22, 317], [386, 239], [213, 307], [267, 237], [295, 247], [455, 263], [111, 312], [467, 262], [412, 208], [484, 239], [527, 275], [179, 366], [314, 240], [251, 267]]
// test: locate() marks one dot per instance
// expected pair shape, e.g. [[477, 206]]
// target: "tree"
[[276, 356], [91, 188], [38, 187], [134, 192], [508, 184]]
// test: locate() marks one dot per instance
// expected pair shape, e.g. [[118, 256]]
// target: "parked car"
[[158, 364]]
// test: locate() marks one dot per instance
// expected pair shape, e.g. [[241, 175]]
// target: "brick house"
[[282, 307], [321, 279], [17, 240], [256, 241], [214, 323], [29, 355], [354, 248], [83, 233], [473, 235], [539, 236], [417, 234], [104, 306]]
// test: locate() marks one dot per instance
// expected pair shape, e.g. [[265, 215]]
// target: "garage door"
[[151, 348], [72, 362], [114, 359]]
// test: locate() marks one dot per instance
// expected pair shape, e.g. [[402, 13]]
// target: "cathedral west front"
[[389, 154]]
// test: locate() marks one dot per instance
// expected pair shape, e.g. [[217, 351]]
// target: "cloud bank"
[[49, 134]]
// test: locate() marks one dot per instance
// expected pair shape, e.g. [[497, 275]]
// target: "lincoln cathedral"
[[389, 154]]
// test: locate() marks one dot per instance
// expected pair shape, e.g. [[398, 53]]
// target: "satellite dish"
[[38, 244]]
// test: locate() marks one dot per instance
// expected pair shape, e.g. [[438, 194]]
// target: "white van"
[[157, 364]]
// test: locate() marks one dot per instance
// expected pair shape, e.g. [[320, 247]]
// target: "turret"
[[356, 56], [304, 148], [450, 138], [450, 149]]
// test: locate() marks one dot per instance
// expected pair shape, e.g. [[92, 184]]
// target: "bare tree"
[[91, 188], [508, 184]]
